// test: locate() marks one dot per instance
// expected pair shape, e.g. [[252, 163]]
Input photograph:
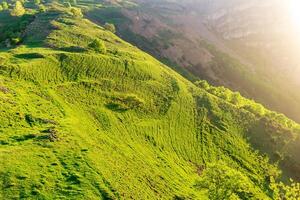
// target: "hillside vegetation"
[[180, 34], [81, 122]]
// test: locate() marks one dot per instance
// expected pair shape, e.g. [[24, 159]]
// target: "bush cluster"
[[98, 46]]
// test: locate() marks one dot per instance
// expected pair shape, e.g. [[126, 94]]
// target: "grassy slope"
[[226, 70], [76, 124]]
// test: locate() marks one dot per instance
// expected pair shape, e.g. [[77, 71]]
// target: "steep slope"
[[224, 42], [79, 124]]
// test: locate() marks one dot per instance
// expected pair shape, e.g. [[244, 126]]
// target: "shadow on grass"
[[116, 107], [73, 49], [29, 56], [24, 137]]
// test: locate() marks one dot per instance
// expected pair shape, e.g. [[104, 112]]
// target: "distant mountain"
[[86, 115], [247, 46]]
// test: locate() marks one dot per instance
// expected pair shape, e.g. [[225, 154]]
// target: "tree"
[[202, 84], [110, 27], [76, 12], [4, 5], [224, 182], [37, 2], [236, 98], [282, 191], [98, 46], [1, 8], [18, 9]]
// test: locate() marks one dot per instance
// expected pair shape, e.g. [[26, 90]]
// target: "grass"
[[253, 81], [121, 125]]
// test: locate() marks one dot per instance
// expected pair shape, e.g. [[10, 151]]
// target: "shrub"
[[42, 8], [202, 84], [37, 2], [282, 191], [98, 46], [236, 98], [110, 27], [224, 182], [124, 103], [76, 12], [4, 5], [16, 40], [18, 9]]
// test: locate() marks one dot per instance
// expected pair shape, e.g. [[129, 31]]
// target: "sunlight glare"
[[294, 11]]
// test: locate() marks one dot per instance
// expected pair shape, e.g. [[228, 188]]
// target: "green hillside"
[[85, 115], [158, 28]]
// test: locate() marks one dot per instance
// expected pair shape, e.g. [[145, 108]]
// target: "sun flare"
[[294, 11]]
